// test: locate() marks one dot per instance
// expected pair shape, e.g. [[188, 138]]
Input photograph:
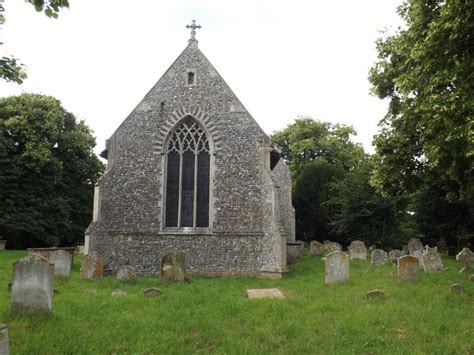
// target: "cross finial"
[[193, 28]]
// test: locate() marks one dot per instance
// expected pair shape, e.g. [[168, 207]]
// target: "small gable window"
[[190, 78]]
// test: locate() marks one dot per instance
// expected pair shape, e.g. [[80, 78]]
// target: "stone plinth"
[[337, 267], [273, 293], [92, 267], [62, 261], [357, 250], [408, 268], [173, 267], [32, 286]]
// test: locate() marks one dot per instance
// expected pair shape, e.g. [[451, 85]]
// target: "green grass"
[[212, 315]]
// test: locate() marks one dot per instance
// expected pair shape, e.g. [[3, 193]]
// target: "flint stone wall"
[[243, 236]]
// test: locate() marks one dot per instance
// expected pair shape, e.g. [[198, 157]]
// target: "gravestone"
[[414, 244], [92, 267], [408, 268], [405, 250], [357, 250], [32, 286], [331, 247], [432, 261], [337, 267], [393, 256], [419, 254], [442, 246], [126, 275], [3, 244], [466, 256], [316, 248], [272, 293], [173, 267], [379, 257], [294, 250], [457, 288], [375, 294], [4, 339], [62, 263], [119, 292], [372, 248], [471, 278], [152, 292]]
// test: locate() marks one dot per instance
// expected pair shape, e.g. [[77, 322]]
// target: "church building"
[[190, 170]]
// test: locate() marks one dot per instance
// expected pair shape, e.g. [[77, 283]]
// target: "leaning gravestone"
[[393, 256], [62, 263], [379, 257], [127, 275], [414, 244], [357, 250], [408, 268], [92, 267], [466, 256], [4, 339], [173, 267], [337, 267], [316, 248], [32, 286], [432, 261]]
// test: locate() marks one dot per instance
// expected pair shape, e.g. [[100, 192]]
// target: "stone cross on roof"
[[193, 28]]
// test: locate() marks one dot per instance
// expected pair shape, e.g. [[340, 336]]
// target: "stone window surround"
[[164, 161], [186, 77]]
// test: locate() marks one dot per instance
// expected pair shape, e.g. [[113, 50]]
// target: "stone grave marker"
[[408, 268], [331, 247], [173, 267], [393, 256], [32, 286], [419, 254], [471, 278], [432, 261], [62, 263], [3, 244], [375, 294], [127, 275], [466, 256], [337, 267], [316, 248], [457, 288], [379, 257], [405, 250], [357, 250], [119, 292], [92, 267], [294, 250], [272, 293], [152, 292], [4, 339], [414, 244]]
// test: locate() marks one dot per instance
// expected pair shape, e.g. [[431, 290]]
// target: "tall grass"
[[212, 315]]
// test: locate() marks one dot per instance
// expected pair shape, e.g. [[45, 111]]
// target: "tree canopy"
[[47, 172]]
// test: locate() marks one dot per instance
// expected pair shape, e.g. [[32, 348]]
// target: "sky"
[[283, 59]]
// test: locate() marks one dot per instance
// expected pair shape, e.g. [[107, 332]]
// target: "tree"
[[47, 172], [10, 68], [426, 71]]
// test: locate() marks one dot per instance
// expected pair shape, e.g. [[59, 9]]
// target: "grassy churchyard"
[[212, 315]]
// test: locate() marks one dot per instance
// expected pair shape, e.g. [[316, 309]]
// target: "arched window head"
[[187, 176]]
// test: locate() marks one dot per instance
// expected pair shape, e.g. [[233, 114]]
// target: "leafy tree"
[[427, 72], [10, 69], [47, 172]]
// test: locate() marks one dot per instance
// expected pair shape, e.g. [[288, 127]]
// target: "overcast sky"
[[283, 59]]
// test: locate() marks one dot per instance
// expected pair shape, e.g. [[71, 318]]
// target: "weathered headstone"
[[3, 244], [331, 247], [466, 256], [127, 275], [471, 278], [316, 248], [393, 256], [92, 267], [272, 293], [408, 268], [152, 292], [372, 248], [357, 250], [173, 267], [414, 244], [62, 263], [375, 294], [294, 250], [457, 288], [32, 286], [419, 254], [432, 261], [337, 267], [379, 257], [4, 339], [119, 292]]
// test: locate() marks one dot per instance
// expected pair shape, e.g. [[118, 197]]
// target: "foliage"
[[47, 172], [10, 69], [212, 315], [427, 72]]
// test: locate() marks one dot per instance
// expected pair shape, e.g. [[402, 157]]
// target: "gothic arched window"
[[187, 176]]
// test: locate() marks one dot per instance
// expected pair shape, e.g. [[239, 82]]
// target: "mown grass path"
[[212, 315]]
